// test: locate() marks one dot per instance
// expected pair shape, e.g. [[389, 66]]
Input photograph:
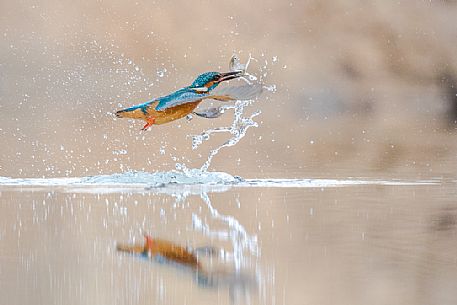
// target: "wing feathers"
[[243, 92]]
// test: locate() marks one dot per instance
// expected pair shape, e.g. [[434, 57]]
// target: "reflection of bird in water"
[[158, 247], [165, 251]]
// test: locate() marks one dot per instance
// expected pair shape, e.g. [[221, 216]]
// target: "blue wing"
[[182, 96]]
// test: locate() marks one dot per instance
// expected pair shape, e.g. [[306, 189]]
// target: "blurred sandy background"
[[364, 88]]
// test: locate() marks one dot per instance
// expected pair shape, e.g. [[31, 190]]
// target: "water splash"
[[241, 122], [237, 130], [179, 182]]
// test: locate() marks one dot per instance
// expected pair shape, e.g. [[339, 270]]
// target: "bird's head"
[[210, 80]]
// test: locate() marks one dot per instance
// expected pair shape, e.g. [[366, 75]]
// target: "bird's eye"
[[216, 77]]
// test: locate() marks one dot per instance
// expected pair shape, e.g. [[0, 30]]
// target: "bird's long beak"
[[230, 75]]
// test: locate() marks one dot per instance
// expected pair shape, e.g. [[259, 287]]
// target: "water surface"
[[307, 241]]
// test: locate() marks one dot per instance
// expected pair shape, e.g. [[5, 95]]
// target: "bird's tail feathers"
[[135, 112]]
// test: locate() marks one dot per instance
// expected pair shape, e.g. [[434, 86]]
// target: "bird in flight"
[[183, 101]]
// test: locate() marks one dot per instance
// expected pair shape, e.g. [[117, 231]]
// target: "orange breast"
[[171, 114]]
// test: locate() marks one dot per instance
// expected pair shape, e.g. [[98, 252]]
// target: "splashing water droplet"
[[161, 73], [241, 122], [238, 130]]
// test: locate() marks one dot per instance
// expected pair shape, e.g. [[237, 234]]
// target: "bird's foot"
[[149, 123]]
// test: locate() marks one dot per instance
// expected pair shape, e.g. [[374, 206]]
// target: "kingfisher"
[[182, 102]]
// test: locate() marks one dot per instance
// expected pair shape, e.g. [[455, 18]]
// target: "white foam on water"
[[176, 181]]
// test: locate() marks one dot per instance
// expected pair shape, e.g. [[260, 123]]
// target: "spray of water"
[[237, 130], [241, 122]]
